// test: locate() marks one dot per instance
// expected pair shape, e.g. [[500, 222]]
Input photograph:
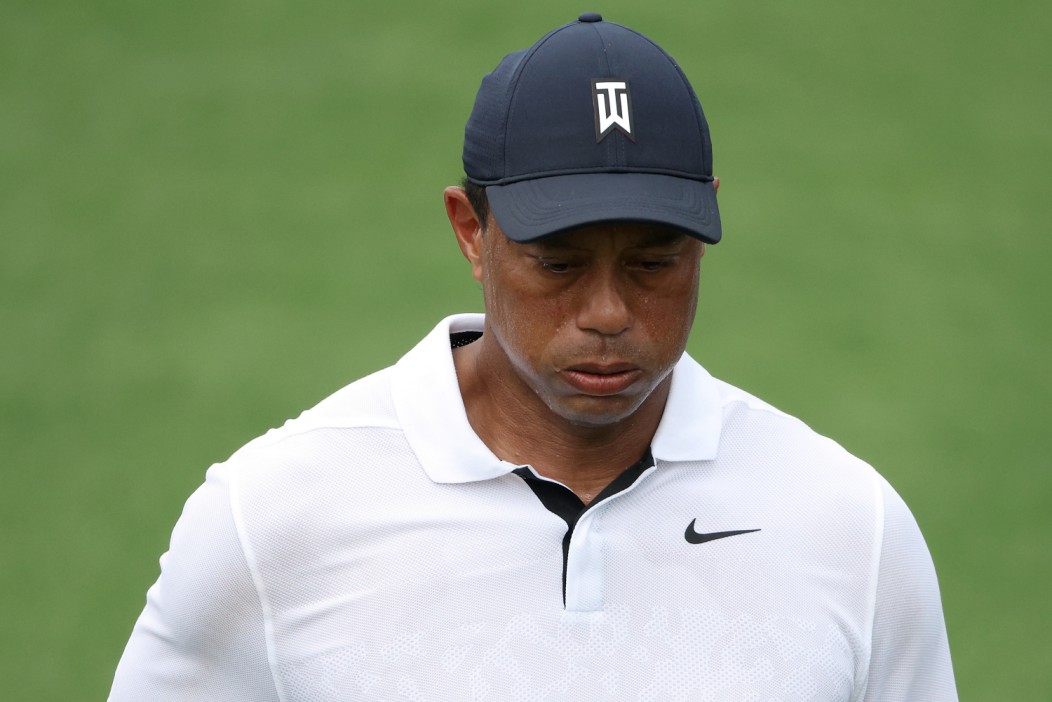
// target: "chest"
[[480, 592]]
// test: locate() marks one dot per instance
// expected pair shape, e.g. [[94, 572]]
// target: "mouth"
[[601, 380]]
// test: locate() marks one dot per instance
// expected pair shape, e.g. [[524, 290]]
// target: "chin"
[[596, 412]]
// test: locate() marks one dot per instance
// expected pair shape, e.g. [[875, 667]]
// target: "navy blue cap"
[[594, 123]]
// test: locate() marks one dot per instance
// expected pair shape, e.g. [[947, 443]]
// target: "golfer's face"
[[594, 319]]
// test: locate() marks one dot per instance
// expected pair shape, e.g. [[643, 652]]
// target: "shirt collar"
[[431, 411]]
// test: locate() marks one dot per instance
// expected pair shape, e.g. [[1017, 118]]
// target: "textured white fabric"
[[375, 549]]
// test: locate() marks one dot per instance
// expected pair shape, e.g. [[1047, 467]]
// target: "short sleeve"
[[910, 658], [201, 635]]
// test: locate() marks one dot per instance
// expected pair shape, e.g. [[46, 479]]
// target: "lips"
[[601, 380]]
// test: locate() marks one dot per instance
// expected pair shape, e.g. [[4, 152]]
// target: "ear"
[[466, 227]]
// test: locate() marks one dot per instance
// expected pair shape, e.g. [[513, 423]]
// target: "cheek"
[[537, 325], [525, 319], [668, 315]]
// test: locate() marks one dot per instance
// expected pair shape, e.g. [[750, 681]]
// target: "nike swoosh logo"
[[694, 537]]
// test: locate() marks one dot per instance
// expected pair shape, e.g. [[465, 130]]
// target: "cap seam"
[[515, 89], [698, 115], [607, 69], [705, 178]]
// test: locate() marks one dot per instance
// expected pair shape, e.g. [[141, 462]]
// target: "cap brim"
[[532, 209]]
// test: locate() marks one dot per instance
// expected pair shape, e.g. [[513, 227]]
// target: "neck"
[[520, 428]]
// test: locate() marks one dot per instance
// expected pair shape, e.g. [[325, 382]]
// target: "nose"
[[603, 306]]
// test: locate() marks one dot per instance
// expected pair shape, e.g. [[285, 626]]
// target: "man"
[[552, 502]]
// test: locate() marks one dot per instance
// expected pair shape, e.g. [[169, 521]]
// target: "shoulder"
[[740, 404], [348, 447], [322, 439], [828, 499], [361, 445], [364, 404], [757, 428], [743, 440]]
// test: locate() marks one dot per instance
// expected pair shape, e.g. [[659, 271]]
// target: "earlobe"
[[466, 227]]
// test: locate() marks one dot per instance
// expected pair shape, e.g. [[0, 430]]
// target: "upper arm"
[[201, 635], [910, 657]]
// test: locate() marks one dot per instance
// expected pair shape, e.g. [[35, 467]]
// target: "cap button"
[[590, 17]]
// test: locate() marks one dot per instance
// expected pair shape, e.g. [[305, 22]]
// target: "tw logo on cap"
[[613, 108]]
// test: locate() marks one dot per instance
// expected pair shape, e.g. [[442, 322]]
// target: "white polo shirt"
[[375, 549]]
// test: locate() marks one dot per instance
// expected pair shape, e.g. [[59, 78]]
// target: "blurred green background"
[[213, 214]]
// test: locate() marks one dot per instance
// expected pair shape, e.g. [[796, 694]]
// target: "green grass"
[[214, 214]]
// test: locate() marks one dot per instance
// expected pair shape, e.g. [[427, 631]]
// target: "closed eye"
[[652, 265], [553, 266]]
